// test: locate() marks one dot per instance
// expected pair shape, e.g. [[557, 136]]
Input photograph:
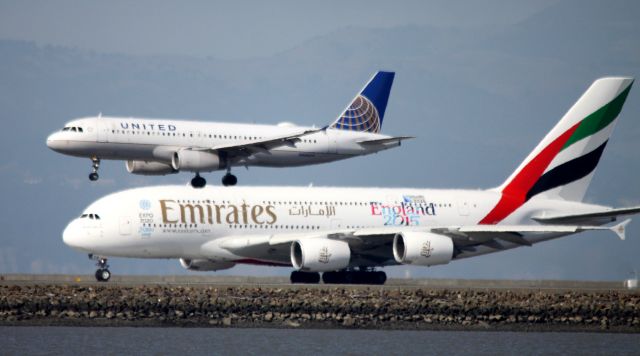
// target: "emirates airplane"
[[348, 232], [160, 147]]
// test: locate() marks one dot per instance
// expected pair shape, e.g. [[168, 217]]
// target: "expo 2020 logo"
[[145, 204]]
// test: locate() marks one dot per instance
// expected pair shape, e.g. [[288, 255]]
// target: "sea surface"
[[23, 340]]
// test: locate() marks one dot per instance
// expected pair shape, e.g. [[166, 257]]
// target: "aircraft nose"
[[55, 142], [73, 236]]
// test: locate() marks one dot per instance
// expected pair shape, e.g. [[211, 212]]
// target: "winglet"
[[620, 229]]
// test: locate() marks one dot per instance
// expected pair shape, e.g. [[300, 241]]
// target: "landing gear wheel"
[[305, 277], [95, 164], [354, 277], [198, 182], [229, 179], [103, 275]]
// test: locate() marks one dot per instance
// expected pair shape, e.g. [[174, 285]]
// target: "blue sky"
[[478, 83]]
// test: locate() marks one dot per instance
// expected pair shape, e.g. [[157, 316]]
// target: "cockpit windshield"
[[72, 128], [90, 216]]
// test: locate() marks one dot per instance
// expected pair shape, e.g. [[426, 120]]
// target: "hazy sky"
[[232, 29], [479, 83]]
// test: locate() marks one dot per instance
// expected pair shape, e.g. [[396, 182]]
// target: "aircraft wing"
[[264, 145], [375, 244], [593, 218]]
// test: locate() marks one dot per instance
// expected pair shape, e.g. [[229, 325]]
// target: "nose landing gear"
[[102, 273], [93, 176]]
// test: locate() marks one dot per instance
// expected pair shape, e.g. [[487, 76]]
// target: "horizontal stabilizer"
[[595, 218], [385, 141]]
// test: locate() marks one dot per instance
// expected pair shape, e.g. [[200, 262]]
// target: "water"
[[187, 341]]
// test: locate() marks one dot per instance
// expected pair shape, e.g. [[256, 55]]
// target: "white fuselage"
[[157, 140], [182, 222]]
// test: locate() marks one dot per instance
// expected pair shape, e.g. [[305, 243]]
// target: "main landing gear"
[[305, 277], [354, 277], [198, 182], [340, 277], [229, 179], [93, 176], [102, 273]]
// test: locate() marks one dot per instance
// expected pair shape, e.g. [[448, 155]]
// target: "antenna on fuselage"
[[100, 114]]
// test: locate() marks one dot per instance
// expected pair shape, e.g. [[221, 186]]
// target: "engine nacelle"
[[205, 265], [149, 168], [320, 255], [195, 161], [422, 248]]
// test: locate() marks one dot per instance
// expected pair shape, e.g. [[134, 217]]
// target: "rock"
[[292, 324], [268, 316], [226, 321], [348, 321]]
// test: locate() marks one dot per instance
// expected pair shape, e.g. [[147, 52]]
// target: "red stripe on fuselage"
[[515, 193]]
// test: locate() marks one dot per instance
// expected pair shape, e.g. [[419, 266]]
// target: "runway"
[[392, 283]]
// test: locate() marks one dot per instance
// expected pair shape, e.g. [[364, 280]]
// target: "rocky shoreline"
[[330, 307]]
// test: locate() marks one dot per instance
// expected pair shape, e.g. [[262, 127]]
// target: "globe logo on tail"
[[361, 115]]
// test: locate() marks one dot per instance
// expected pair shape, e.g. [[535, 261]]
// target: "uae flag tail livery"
[[563, 163]]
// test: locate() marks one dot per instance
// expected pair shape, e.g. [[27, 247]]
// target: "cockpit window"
[[72, 129], [90, 216]]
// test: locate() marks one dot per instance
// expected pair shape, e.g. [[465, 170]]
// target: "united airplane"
[[160, 147], [346, 233]]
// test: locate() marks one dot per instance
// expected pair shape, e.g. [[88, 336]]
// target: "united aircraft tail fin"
[[563, 163], [366, 110]]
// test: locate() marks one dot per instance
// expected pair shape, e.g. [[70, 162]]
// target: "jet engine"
[[149, 168], [205, 265], [422, 248], [320, 255], [195, 161]]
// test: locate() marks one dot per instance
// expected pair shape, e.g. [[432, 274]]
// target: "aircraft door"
[[125, 225], [332, 141], [463, 208], [102, 130]]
